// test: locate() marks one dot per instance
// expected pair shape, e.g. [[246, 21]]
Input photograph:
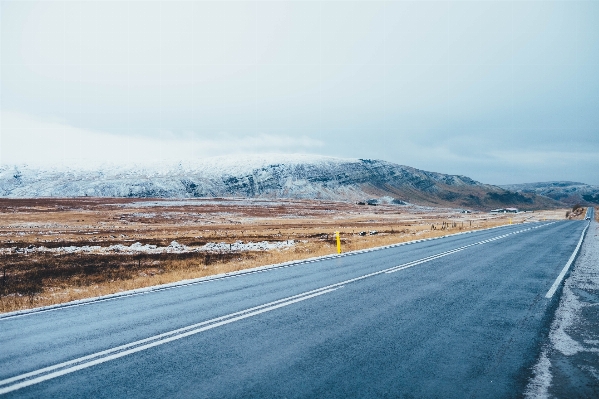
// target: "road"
[[461, 316]]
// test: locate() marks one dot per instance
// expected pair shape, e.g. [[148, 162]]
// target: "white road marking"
[[124, 350], [442, 254], [83, 362], [562, 274]]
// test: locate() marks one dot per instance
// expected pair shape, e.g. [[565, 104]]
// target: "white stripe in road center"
[[57, 370], [442, 254]]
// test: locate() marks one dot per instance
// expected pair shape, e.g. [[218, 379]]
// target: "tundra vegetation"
[[56, 250], [577, 212]]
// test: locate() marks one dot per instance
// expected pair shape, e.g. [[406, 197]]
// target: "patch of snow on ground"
[[538, 387], [567, 316], [250, 246], [174, 247]]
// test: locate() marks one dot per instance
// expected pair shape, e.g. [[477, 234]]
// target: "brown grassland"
[[31, 278]]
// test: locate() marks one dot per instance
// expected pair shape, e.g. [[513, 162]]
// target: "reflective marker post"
[[338, 242]]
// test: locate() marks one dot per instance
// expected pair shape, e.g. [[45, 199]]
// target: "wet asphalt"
[[468, 324]]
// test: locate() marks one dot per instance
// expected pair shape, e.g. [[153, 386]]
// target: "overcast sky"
[[501, 91]]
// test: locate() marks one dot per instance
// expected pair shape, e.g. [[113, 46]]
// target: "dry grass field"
[[58, 250]]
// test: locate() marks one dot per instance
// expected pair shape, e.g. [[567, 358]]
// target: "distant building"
[[505, 210]]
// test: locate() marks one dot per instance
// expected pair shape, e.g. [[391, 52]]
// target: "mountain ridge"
[[267, 176], [567, 192]]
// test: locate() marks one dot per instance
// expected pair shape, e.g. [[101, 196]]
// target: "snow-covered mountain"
[[568, 192], [270, 176]]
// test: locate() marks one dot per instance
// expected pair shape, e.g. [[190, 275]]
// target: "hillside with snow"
[[567, 192], [270, 176]]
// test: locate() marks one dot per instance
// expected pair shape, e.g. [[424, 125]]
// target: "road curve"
[[461, 316]]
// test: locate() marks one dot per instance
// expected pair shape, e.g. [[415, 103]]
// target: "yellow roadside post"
[[510, 220], [338, 242]]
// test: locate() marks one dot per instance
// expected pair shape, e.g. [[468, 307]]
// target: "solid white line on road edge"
[[86, 361], [562, 274], [137, 346]]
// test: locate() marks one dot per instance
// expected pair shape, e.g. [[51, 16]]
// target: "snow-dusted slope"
[[273, 176], [568, 192]]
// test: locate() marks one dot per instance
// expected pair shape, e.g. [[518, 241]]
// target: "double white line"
[[57, 370]]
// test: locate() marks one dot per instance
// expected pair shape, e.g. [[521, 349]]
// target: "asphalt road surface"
[[457, 317]]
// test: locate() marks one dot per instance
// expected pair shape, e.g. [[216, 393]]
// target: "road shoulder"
[[568, 366]]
